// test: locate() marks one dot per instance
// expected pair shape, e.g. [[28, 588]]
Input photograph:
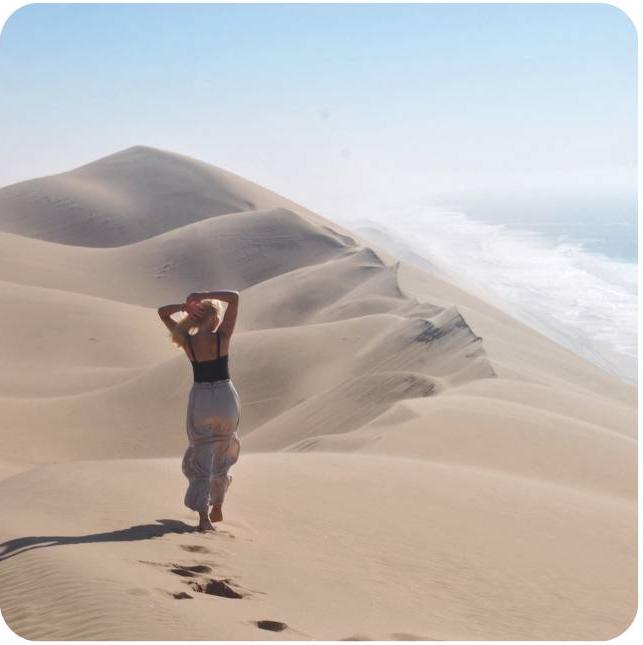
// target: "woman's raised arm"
[[166, 311]]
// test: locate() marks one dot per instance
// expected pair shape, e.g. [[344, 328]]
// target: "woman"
[[213, 409]]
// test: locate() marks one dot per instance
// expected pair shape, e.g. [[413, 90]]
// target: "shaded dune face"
[[123, 198], [323, 324]]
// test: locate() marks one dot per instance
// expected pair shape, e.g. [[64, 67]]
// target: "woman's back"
[[209, 370]]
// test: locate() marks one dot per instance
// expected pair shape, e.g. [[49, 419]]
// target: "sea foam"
[[584, 300]]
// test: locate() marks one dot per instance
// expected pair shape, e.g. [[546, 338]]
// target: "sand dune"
[[333, 546], [127, 197], [497, 435], [415, 463]]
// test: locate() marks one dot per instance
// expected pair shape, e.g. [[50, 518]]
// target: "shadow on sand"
[[140, 532]]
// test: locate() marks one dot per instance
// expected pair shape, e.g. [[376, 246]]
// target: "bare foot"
[[205, 527], [204, 522], [215, 514]]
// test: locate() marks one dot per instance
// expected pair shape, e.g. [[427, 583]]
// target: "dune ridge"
[[415, 463]]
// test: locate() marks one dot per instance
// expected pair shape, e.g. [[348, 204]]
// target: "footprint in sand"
[[181, 569], [216, 588], [403, 636], [195, 548], [357, 637], [271, 625], [190, 571], [223, 588]]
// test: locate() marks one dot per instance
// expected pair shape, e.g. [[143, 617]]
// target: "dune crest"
[[405, 444]]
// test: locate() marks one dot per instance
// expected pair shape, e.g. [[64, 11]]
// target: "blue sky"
[[328, 98]]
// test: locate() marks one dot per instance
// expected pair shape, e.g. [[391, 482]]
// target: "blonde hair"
[[179, 335]]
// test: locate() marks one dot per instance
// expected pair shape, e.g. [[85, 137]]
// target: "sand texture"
[[416, 464]]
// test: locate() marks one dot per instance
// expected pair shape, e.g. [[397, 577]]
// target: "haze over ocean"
[[566, 267], [497, 140]]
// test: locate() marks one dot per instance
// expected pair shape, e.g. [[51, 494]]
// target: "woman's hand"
[[192, 306], [195, 297]]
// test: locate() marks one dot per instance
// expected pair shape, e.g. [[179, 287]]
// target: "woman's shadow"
[[140, 532]]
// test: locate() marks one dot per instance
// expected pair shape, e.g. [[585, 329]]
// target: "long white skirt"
[[212, 420]]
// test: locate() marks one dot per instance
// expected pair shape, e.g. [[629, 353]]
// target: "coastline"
[[405, 443]]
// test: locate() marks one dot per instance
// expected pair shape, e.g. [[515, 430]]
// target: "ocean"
[[566, 267]]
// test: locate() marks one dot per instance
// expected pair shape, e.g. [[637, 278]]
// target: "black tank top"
[[210, 371]]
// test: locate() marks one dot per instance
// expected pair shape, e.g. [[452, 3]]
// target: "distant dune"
[[416, 464]]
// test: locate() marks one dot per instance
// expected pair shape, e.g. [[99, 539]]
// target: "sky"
[[326, 103]]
